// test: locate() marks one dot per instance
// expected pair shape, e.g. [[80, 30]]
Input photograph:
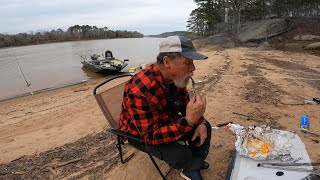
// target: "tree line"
[[212, 16], [74, 33]]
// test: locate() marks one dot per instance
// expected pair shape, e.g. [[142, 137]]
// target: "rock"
[[306, 37], [217, 145], [294, 46], [264, 46], [313, 46], [223, 40], [256, 30], [251, 44]]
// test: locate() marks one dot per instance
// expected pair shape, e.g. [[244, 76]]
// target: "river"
[[53, 65]]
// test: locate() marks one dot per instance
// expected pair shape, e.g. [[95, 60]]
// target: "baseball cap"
[[181, 45]]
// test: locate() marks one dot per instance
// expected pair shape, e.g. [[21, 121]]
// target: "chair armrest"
[[127, 135]]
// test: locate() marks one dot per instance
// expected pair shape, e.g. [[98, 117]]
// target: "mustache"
[[183, 82], [188, 76]]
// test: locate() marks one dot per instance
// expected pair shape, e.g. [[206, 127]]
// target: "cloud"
[[148, 17]]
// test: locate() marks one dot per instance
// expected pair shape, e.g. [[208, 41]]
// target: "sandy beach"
[[242, 85]]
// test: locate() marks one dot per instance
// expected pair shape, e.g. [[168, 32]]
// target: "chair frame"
[[120, 135]]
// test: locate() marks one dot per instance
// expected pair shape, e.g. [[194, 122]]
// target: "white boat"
[[107, 65]]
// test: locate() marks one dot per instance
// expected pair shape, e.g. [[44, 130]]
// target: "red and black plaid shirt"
[[146, 111]]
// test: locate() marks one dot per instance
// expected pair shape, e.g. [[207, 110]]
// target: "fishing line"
[[235, 75], [24, 77]]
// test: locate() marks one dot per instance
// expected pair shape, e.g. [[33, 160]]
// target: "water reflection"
[[91, 74]]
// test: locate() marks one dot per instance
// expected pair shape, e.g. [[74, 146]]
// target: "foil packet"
[[261, 143]]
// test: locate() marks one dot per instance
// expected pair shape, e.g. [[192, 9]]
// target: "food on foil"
[[257, 146], [260, 143]]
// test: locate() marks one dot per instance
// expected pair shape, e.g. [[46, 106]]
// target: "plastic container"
[[304, 124]]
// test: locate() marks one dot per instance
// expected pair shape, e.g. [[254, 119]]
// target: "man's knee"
[[176, 155], [184, 160]]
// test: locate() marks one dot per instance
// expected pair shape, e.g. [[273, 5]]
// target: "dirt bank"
[[57, 134]]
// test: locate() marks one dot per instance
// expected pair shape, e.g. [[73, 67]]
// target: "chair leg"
[[118, 145], [156, 165]]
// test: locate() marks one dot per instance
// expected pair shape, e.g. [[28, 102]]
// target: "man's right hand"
[[196, 107]]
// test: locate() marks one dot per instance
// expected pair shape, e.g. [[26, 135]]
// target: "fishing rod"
[[25, 79], [267, 77]]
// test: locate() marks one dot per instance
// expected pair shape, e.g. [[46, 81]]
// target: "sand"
[[242, 85]]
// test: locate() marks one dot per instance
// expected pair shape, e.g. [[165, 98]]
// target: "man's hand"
[[196, 107], [200, 132]]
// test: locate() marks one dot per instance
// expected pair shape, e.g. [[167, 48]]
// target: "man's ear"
[[166, 62]]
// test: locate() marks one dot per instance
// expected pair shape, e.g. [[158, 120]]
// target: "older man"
[[157, 108]]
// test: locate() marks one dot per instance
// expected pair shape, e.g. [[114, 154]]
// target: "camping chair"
[[110, 101]]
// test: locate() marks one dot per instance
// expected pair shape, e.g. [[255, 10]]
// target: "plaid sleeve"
[[183, 95], [146, 117]]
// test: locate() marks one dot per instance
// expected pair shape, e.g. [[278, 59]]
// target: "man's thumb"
[[194, 137], [193, 98]]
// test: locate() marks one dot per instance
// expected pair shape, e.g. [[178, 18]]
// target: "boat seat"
[[108, 55]]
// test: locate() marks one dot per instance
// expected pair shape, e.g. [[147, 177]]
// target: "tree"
[[196, 23], [75, 32], [205, 19], [202, 20]]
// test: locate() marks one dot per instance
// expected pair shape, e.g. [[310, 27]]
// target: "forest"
[[74, 33], [214, 16]]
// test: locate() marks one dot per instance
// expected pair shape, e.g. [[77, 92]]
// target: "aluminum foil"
[[261, 143]]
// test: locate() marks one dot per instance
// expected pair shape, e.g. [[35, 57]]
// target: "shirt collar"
[[157, 73]]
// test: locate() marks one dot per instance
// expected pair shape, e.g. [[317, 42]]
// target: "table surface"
[[247, 169]]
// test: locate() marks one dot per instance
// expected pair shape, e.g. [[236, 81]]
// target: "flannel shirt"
[[145, 110]]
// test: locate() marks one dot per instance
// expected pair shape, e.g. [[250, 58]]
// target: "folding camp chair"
[[110, 101]]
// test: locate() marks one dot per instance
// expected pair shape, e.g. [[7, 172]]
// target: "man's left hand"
[[200, 132]]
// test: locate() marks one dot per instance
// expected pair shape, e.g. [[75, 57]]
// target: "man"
[[157, 108]]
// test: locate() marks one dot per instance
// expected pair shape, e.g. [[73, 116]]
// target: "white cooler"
[[243, 168]]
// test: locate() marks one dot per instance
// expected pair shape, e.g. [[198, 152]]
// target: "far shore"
[[69, 41]]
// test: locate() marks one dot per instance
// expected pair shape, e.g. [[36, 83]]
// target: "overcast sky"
[[146, 16]]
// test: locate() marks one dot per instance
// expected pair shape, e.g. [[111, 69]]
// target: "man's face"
[[182, 68]]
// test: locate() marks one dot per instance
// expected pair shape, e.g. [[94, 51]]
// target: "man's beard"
[[183, 82]]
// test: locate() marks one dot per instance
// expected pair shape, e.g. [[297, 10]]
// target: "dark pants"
[[177, 155]]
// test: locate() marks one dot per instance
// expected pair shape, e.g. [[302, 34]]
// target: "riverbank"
[[34, 127]]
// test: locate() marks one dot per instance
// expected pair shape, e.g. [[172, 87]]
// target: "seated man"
[[157, 108]]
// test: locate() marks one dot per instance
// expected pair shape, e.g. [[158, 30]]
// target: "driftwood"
[[16, 173], [240, 114], [64, 163]]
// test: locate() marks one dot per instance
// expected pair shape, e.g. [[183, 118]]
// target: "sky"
[[148, 17]]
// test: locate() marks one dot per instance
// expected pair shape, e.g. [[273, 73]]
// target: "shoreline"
[[43, 90], [59, 86], [35, 125]]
